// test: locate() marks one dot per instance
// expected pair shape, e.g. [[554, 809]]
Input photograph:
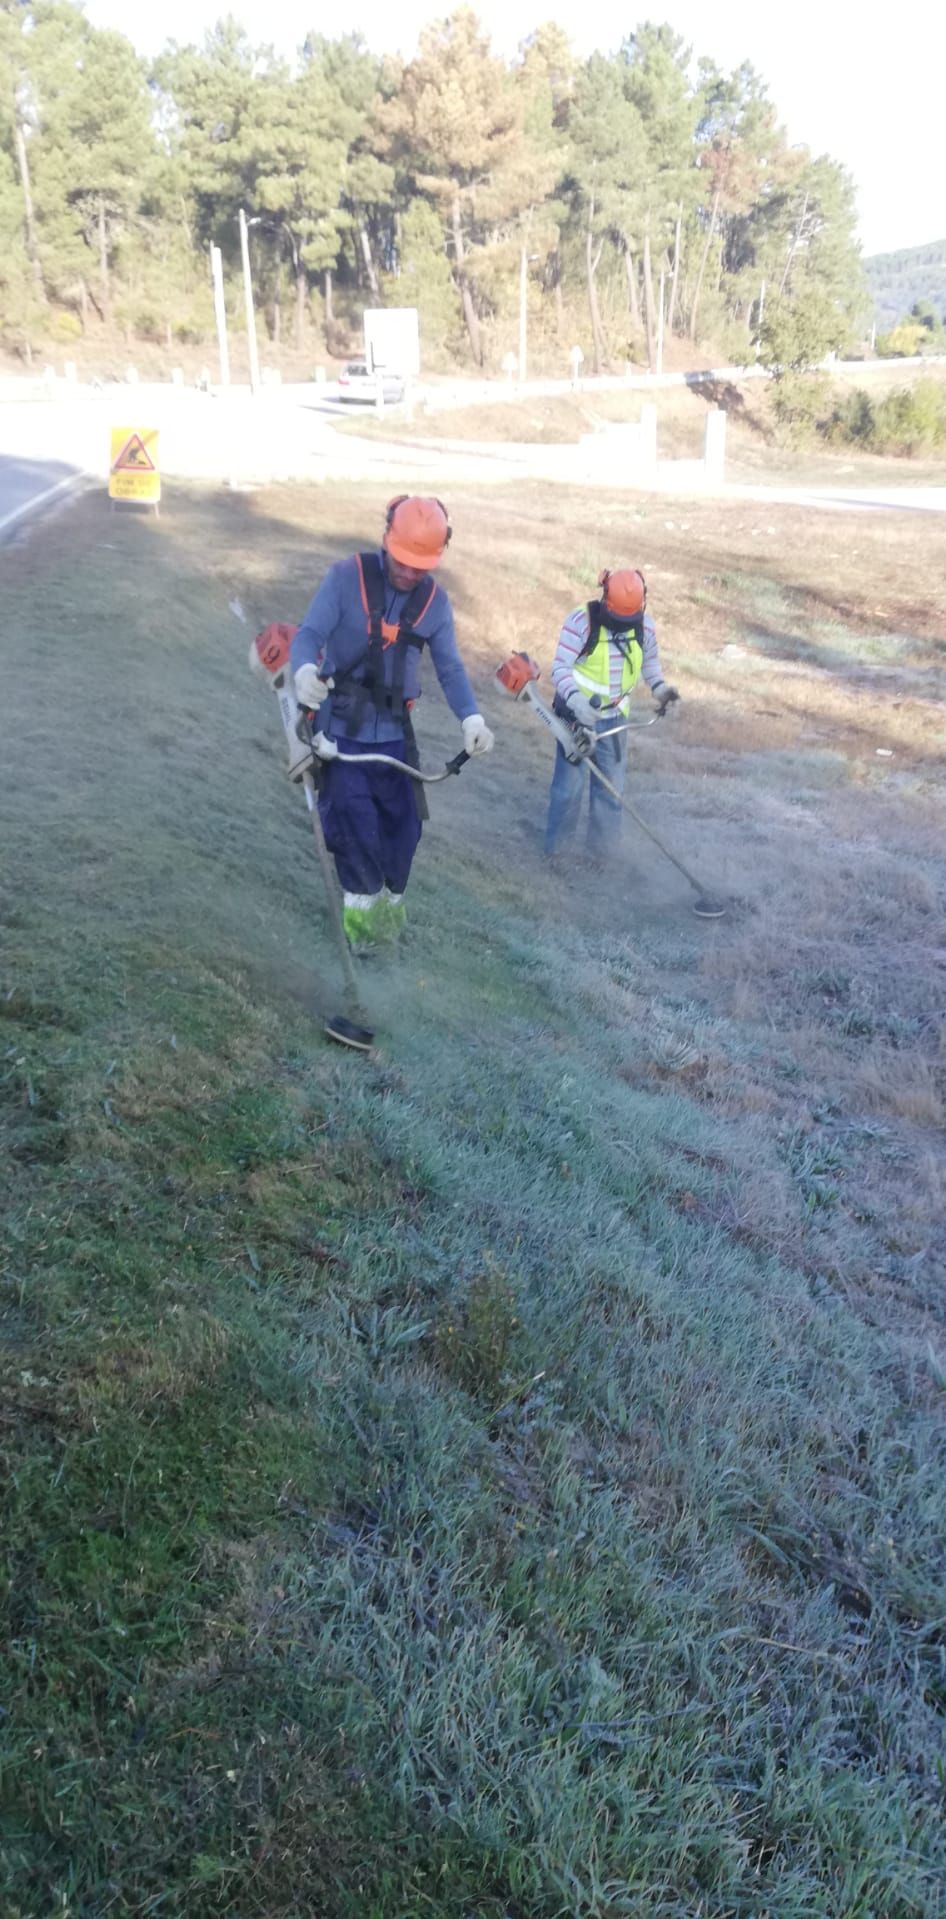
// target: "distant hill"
[[897, 279]]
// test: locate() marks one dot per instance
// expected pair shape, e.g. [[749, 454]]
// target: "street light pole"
[[523, 290], [250, 313], [220, 313]]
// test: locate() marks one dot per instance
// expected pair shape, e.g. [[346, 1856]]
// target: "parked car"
[[357, 381]]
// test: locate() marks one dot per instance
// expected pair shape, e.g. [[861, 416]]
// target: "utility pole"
[[220, 313], [250, 314], [523, 290], [756, 340]]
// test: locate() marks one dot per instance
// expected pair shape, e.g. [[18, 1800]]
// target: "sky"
[[869, 97]]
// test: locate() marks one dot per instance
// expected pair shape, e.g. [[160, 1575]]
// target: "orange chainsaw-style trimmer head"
[[516, 674]]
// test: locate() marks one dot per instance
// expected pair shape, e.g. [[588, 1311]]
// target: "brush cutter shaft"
[[332, 901], [651, 835], [517, 676]]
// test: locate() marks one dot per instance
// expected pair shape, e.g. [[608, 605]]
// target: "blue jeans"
[[569, 779]]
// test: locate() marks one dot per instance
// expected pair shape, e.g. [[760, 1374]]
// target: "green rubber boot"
[[363, 926]]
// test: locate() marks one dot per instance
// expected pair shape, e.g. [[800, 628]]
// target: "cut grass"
[[503, 1476]]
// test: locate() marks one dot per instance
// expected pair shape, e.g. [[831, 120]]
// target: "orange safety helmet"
[[624, 592], [416, 531]]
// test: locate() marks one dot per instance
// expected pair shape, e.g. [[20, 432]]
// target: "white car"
[[357, 381]]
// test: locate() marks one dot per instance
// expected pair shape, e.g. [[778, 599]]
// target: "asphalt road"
[[26, 484], [48, 447]]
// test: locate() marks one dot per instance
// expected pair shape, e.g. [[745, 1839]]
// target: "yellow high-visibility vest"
[[592, 673]]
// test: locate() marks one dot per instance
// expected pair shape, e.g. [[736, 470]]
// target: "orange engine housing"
[[516, 674], [272, 647]]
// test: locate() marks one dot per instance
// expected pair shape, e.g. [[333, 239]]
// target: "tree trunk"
[[168, 337], [277, 307], [711, 229], [83, 305], [329, 309], [301, 299], [793, 244], [368, 259], [466, 296], [103, 261], [633, 295], [671, 310], [649, 307], [559, 304], [29, 221], [591, 267]]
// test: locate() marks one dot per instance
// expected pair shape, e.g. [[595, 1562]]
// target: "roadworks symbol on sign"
[[133, 473], [134, 457]]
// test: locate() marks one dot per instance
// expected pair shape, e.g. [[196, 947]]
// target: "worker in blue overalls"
[[356, 664]]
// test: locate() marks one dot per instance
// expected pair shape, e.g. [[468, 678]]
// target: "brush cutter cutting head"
[[347, 1032], [708, 908], [516, 674]]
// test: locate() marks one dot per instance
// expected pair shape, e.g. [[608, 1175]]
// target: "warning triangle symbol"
[[134, 457]]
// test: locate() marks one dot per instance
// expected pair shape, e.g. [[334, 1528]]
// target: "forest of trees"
[[898, 282], [443, 182]]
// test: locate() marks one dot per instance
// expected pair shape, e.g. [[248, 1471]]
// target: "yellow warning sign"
[[133, 469]]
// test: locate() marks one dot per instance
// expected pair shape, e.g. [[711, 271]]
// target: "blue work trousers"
[[569, 780], [369, 818]]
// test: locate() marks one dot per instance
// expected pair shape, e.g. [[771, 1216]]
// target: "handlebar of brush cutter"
[[455, 765], [630, 726], [384, 759]]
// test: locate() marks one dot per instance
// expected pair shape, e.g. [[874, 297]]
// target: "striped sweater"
[[572, 638]]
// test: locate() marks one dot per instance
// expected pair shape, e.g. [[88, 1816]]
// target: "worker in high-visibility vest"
[[604, 648]]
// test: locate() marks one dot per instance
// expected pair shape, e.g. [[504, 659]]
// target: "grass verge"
[[503, 1476]]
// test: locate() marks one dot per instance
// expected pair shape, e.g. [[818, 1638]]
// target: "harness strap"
[[383, 634], [634, 630]]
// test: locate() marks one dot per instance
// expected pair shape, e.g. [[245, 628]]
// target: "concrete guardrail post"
[[714, 450]]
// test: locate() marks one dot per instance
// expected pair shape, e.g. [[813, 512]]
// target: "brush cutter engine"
[[517, 677], [269, 661]]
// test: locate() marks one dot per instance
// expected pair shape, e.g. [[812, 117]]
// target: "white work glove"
[[582, 710], [477, 737], [304, 752], [664, 695], [311, 690]]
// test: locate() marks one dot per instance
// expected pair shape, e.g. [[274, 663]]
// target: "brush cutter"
[[269, 660], [517, 677]]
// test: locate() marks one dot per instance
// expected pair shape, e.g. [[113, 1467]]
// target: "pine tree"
[[95, 143], [608, 148], [452, 123]]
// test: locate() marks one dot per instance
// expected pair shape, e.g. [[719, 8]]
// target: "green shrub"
[[903, 341], [853, 420], [911, 419], [190, 331], [799, 404], [65, 326], [147, 324]]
